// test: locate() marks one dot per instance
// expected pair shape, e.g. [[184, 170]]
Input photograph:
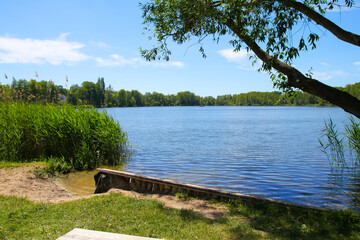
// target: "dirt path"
[[22, 182]]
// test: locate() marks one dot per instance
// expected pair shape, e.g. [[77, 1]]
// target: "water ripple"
[[264, 151]]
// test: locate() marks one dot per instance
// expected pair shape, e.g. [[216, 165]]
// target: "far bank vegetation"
[[98, 95]]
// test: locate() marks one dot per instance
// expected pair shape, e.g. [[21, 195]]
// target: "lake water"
[[271, 152]]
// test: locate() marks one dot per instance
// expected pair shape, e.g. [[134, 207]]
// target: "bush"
[[78, 137]]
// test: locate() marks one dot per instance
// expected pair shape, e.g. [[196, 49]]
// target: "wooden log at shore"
[[106, 179]]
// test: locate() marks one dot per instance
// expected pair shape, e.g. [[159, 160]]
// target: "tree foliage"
[[276, 31], [32, 91], [97, 95], [134, 98]]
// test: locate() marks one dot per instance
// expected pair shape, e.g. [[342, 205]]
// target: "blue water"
[[272, 152]]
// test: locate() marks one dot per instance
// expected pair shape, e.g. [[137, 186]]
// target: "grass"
[[290, 222], [114, 213], [23, 219], [5, 165], [182, 195], [67, 137], [46, 169], [86, 136]]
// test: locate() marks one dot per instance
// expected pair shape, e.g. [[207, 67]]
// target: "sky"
[[87, 39]]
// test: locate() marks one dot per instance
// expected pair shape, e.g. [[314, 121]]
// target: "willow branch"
[[323, 21], [340, 33], [296, 79]]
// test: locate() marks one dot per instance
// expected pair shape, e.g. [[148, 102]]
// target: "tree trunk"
[[335, 96]]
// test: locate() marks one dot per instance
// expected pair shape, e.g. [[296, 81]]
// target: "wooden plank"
[[83, 234], [190, 187], [197, 189]]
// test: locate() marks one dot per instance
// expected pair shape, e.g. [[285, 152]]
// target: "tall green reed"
[[333, 146], [336, 144], [353, 134], [77, 137]]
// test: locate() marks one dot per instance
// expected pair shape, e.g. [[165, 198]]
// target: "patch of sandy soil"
[[22, 182]]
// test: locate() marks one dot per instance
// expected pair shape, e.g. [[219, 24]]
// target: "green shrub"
[[69, 137]]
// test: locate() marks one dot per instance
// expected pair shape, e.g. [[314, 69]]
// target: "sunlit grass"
[[115, 213], [22, 219]]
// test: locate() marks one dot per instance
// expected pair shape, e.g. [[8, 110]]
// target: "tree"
[[100, 86], [264, 26], [122, 98], [110, 97], [72, 95], [187, 99], [138, 97], [207, 101], [223, 100], [87, 93]]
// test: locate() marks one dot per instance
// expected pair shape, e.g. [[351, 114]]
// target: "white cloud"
[[356, 63], [322, 76], [61, 51], [116, 60], [241, 58], [325, 64], [55, 52], [232, 56], [63, 36], [328, 75], [176, 64], [100, 45]]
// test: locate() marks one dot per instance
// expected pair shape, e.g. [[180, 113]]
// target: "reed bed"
[[67, 137]]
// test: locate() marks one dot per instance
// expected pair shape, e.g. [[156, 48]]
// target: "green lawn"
[[23, 219]]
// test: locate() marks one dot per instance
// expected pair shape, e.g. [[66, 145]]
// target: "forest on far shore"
[[98, 95]]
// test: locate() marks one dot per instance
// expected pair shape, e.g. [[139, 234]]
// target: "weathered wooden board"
[[106, 179], [160, 184], [83, 234]]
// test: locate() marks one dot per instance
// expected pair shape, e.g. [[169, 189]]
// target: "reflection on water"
[[82, 183], [354, 188], [79, 183], [265, 151]]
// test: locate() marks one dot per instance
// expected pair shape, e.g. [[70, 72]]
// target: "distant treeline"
[[98, 95]]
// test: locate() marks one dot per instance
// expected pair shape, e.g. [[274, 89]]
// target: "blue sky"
[[87, 39]]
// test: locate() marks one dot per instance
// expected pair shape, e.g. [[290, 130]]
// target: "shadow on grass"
[[295, 222], [188, 215]]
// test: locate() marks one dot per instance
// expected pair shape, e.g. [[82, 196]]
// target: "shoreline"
[[21, 182]]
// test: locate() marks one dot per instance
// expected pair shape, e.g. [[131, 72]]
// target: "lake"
[[272, 152]]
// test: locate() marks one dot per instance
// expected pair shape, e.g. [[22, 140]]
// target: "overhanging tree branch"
[[296, 79], [252, 21], [340, 33], [323, 21]]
